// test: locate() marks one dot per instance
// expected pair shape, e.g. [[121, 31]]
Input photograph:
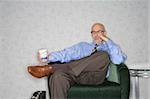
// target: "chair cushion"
[[107, 90], [113, 73]]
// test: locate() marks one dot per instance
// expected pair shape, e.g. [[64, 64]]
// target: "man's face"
[[97, 31]]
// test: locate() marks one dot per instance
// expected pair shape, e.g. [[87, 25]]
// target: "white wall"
[[27, 26], [149, 31]]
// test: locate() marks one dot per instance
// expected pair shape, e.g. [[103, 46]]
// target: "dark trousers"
[[90, 70]]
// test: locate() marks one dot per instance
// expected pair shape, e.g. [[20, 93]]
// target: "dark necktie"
[[95, 49]]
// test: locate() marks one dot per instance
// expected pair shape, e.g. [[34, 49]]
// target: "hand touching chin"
[[98, 41]]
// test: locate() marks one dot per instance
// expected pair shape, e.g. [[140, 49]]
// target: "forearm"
[[74, 52], [115, 52]]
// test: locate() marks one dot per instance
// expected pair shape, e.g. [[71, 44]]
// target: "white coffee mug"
[[43, 54]]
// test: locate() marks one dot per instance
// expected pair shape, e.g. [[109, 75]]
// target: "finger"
[[104, 38]]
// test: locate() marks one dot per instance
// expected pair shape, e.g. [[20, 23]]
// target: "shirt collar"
[[98, 44]]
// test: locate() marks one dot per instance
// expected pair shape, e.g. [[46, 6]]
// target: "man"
[[83, 63]]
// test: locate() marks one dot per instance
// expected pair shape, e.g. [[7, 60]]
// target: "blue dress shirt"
[[84, 49]]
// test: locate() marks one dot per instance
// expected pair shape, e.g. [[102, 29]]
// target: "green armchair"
[[116, 86]]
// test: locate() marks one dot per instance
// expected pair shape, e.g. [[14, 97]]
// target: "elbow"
[[118, 60]]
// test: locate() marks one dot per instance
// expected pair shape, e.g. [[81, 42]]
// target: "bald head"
[[97, 26]]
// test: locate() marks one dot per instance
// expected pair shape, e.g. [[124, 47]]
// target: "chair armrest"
[[124, 80]]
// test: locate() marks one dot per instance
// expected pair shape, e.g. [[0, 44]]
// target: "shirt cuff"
[[51, 57]]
